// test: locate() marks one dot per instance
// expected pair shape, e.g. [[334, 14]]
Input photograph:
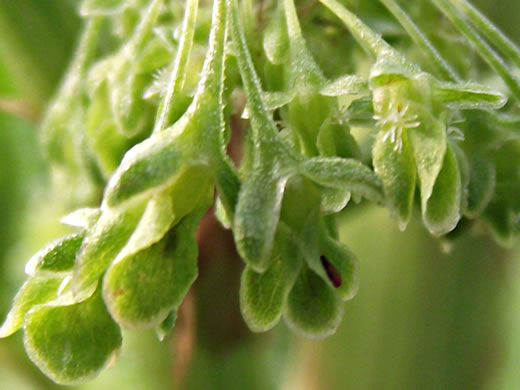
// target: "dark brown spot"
[[332, 272], [117, 293]]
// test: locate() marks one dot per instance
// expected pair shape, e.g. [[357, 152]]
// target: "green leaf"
[[347, 174], [102, 244], [257, 215], [394, 164], [313, 308], [102, 7], [35, 291], [58, 256], [442, 212], [71, 343], [481, 185], [428, 141], [141, 289], [468, 96]]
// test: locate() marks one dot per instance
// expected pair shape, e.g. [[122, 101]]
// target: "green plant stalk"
[[421, 40], [481, 46], [180, 63], [490, 30], [371, 42]]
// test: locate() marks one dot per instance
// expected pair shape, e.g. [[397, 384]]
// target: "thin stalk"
[[489, 30], [212, 70], [371, 41], [265, 129], [303, 66], [176, 83], [482, 47], [143, 30], [421, 40], [83, 57]]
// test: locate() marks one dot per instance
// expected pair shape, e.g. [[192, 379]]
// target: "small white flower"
[[395, 122]]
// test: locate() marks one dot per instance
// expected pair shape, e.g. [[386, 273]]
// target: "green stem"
[[304, 69], [489, 30], [263, 129], [482, 48], [371, 41], [421, 40], [179, 67], [83, 58], [212, 70], [143, 30]]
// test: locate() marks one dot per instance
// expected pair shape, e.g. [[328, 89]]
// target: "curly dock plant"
[[140, 128]]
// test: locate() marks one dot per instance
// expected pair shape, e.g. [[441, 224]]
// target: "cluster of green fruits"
[[134, 121]]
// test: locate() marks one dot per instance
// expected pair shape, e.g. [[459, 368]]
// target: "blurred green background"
[[428, 315]]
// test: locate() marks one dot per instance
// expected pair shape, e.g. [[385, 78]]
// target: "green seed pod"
[[395, 166], [442, 211], [263, 295], [502, 222], [35, 291], [313, 308], [58, 256], [190, 144], [336, 265], [101, 245], [256, 217], [141, 289], [481, 185], [71, 343]]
